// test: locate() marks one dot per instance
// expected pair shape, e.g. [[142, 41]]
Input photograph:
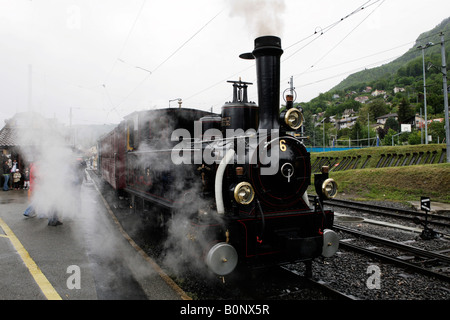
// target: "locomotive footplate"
[[283, 238], [294, 246]]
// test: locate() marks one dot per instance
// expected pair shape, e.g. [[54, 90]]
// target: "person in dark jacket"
[[6, 173]]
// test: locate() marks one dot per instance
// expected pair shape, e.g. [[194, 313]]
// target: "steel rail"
[[394, 260], [366, 206], [394, 244]]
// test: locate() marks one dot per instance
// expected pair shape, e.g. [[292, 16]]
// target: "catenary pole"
[[444, 87]]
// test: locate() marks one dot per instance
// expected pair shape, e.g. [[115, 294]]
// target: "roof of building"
[[8, 137], [389, 115]]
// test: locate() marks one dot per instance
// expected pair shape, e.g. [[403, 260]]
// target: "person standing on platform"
[[30, 212], [16, 179], [26, 179], [6, 173]]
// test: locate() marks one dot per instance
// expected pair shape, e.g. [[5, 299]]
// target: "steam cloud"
[[263, 17], [45, 145]]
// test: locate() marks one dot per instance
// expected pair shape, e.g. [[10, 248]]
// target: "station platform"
[[88, 257]]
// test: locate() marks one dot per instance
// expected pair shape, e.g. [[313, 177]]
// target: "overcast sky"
[[108, 58]]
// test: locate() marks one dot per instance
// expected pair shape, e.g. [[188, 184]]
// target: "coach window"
[[132, 134]]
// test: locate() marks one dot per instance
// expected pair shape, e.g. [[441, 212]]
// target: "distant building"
[[419, 121], [346, 122], [13, 145], [362, 99], [348, 113], [397, 90], [382, 119], [377, 93]]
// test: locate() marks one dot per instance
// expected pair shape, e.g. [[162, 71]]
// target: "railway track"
[[337, 277], [322, 286], [398, 213], [435, 258]]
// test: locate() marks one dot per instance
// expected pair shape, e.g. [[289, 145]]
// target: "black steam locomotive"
[[240, 178]]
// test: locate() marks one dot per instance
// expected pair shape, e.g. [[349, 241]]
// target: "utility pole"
[[30, 88], [444, 87], [423, 47], [421, 124], [425, 97]]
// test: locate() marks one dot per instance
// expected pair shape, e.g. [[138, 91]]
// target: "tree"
[[308, 125], [391, 123], [388, 137], [405, 112], [414, 138], [377, 108], [436, 129], [356, 132]]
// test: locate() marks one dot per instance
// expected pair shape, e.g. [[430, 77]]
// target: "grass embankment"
[[401, 183]]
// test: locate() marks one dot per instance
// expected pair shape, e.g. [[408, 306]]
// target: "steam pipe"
[[229, 156]]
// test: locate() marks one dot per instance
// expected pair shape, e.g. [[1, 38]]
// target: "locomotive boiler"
[[240, 178]]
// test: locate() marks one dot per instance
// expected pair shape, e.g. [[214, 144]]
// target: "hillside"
[[389, 70], [350, 110]]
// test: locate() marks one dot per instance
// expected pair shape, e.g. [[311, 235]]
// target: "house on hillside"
[[362, 99], [397, 90], [346, 122], [381, 120], [377, 93], [419, 121], [348, 113]]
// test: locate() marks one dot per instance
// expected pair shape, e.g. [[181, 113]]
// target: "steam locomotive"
[[240, 178]]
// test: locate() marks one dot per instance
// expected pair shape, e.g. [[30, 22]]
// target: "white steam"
[[46, 146], [263, 17]]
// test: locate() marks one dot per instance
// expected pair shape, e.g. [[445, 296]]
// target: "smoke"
[[263, 17], [45, 145], [181, 184]]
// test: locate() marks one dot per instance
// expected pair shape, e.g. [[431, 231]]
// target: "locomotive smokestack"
[[267, 53]]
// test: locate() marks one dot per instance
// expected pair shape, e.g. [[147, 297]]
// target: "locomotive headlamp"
[[329, 188], [293, 118], [244, 193]]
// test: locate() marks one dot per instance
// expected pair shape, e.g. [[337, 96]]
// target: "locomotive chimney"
[[267, 53]]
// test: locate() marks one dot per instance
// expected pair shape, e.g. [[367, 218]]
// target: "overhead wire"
[[345, 37], [348, 72], [165, 60], [190, 38], [126, 41], [365, 5], [363, 67], [326, 29]]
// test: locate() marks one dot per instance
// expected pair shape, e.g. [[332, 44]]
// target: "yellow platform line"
[[41, 280]]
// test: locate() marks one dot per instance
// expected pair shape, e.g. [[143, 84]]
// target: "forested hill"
[[405, 66]]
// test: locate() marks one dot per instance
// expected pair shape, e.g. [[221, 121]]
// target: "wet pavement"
[[87, 257]]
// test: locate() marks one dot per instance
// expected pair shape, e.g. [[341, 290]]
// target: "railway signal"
[[427, 232]]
